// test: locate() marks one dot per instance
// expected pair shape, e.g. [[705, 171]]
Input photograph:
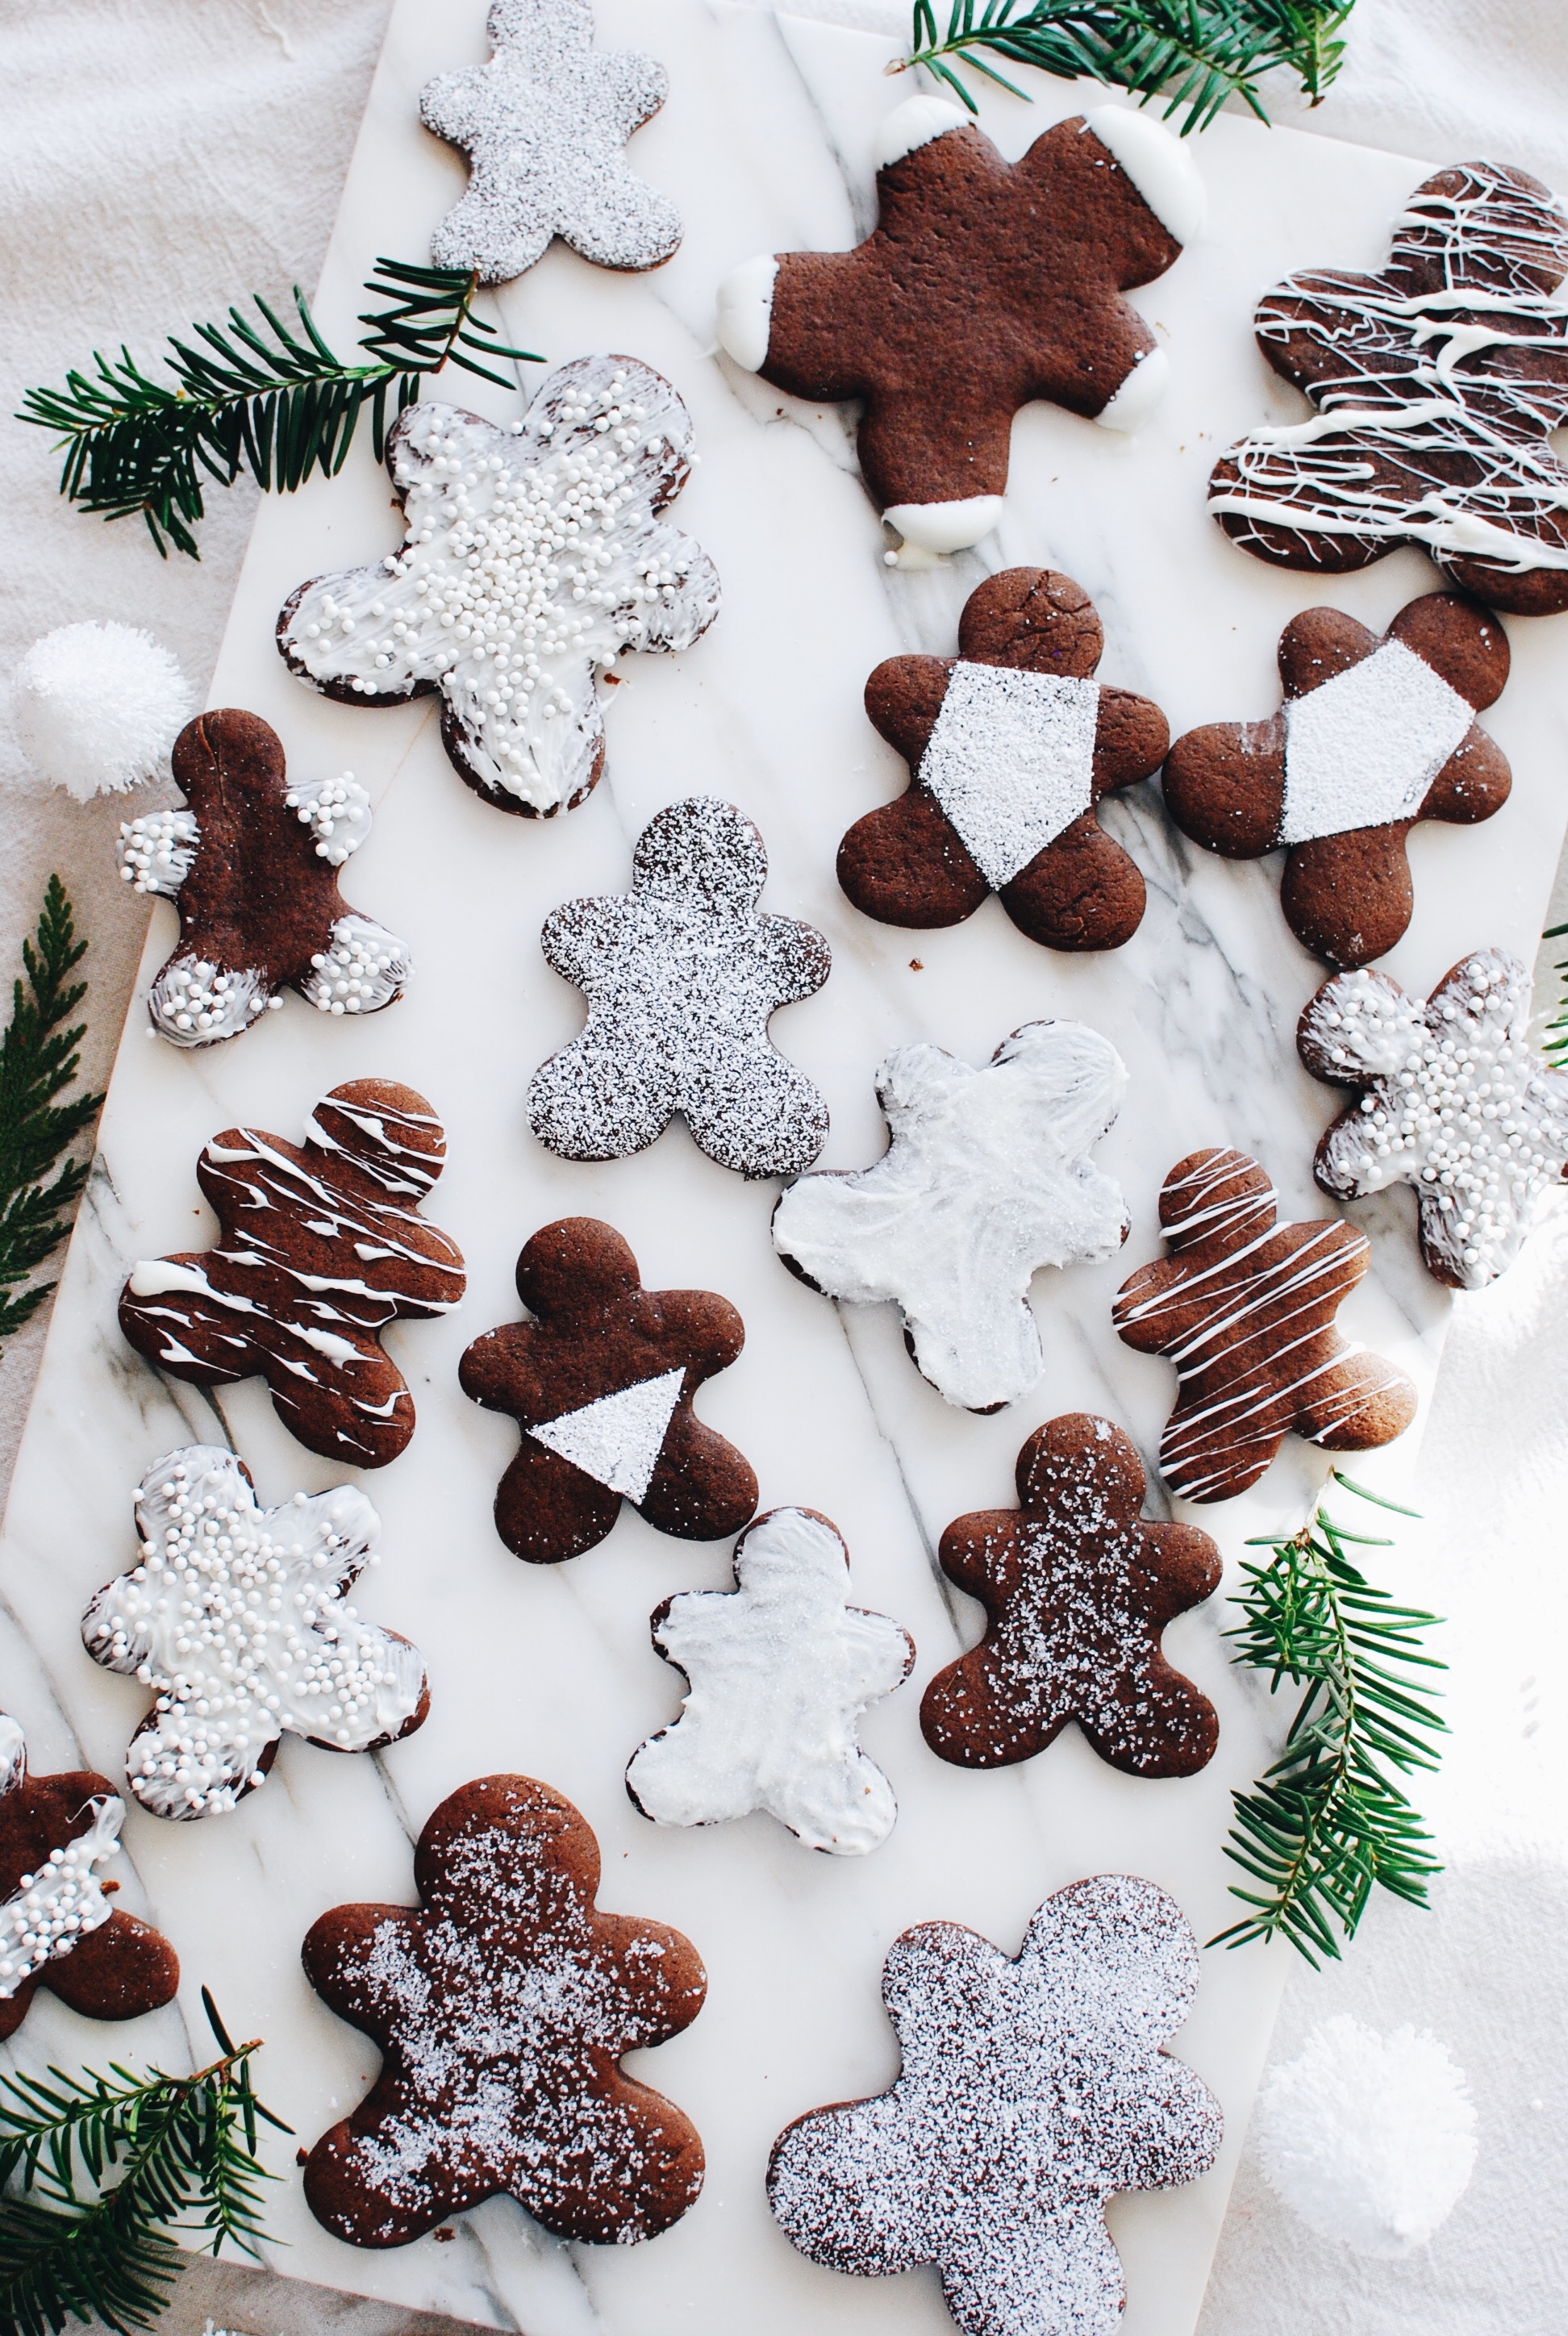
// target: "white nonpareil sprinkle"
[[1012, 761], [97, 707], [1371, 2139], [1363, 749], [59, 1904]]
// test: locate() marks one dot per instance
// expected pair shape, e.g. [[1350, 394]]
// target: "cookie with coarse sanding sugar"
[[602, 1382], [1009, 745], [1376, 733]]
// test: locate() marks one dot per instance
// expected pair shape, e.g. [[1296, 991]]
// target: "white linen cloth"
[[163, 157]]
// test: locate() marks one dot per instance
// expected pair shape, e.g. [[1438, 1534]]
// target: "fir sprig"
[[1554, 1044], [74, 2243], [1195, 52], [1330, 1818], [272, 399], [38, 1061]]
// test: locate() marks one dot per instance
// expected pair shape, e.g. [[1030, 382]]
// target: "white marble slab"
[[765, 143]]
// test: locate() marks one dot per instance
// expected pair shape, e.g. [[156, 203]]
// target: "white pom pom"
[[97, 707], [1371, 2140]]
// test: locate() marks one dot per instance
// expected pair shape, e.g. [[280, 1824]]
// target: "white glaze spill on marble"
[[1012, 761], [616, 1439], [1361, 750], [766, 145]]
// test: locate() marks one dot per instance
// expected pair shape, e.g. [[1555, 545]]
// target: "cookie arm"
[[1475, 782], [118, 1972], [811, 350], [1132, 737], [1148, 1312], [703, 1329], [1224, 786], [980, 1555]]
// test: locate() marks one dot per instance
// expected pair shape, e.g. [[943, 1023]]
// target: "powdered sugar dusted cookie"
[[1375, 734], [986, 1178], [236, 1617], [781, 1669], [683, 975], [502, 2006], [1244, 1307], [57, 1927], [320, 1246], [1454, 1100], [1077, 1587], [1009, 745], [543, 124], [601, 1383], [532, 558], [1031, 2091], [251, 863], [958, 309]]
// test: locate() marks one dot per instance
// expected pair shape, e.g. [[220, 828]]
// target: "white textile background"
[[163, 157]]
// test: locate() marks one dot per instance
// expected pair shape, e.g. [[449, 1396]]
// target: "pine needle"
[[1331, 1819], [1195, 52], [269, 397], [38, 1061]]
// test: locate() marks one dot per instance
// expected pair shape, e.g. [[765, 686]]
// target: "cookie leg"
[[1357, 1403], [757, 1115], [596, 1100], [1165, 1726], [906, 865], [547, 1511], [385, 2180], [1348, 897], [636, 2174], [1081, 892], [703, 1488], [1216, 1444], [969, 1717], [354, 1407], [119, 1971]]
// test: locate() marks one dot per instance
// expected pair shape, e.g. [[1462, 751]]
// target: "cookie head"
[[579, 1262], [385, 1129]]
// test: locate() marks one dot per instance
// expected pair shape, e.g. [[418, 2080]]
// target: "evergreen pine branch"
[[271, 398], [1554, 1045], [38, 1061], [76, 2242], [1332, 1819], [1195, 52]]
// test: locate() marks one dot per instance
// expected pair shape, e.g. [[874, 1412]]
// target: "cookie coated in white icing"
[[986, 1178], [1362, 749], [1012, 761], [781, 1669]]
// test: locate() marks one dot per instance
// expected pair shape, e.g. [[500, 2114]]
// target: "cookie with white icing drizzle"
[[1437, 384], [780, 1670], [57, 1927], [542, 126], [986, 1178], [532, 556], [320, 1246], [236, 1617], [1077, 1588], [1031, 2091], [961, 306], [1009, 745], [682, 974], [501, 2005], [1454, 1100], [1376, 734], [1244, 1308], [251, 860], [600, 1382]]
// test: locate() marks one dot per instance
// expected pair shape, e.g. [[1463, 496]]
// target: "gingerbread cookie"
[[683, 975], [1453, 1099], [251, 863], [601, 1384], [1030, 2092], [1009, 745], [985, 285], [542, 126], [502, 2006], [1077, 1588], [320, 1246], [1376, 733], [57, 1928], [236, 1617], [1437, 384], [780, 1670], [1244, 1307], [986, 1178], [532, 558]]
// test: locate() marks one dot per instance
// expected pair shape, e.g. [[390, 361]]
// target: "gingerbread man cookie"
[[1376, 734], [502, 2006], [543, 124], [251, 863], [57, 1928], [780, 1670], [683, 975], [985, 285], [532, 558], [1244, 1307], [1077, 1587], [601, 1383], [1453, 1100], [320, 1246], [1437, 384], [1030, 2092], [986, 1178], [1009, 745], [236, 1618]]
